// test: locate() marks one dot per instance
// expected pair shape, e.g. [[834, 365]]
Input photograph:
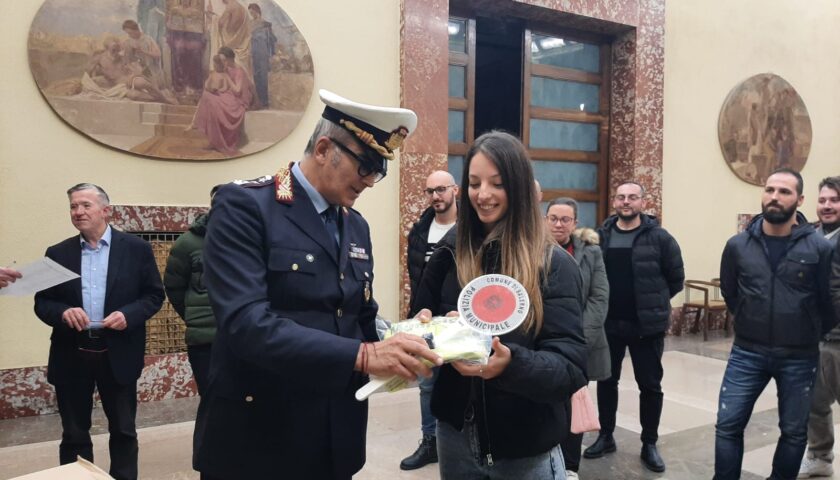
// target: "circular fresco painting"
[[764, 125], [174, 79]]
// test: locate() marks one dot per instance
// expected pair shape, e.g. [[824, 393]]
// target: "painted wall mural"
[[173, 79], [764, 125]]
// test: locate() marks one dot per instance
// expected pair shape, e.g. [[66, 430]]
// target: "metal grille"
[[164, 331]]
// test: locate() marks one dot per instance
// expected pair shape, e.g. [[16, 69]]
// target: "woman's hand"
[[425, 315], [497, 363]]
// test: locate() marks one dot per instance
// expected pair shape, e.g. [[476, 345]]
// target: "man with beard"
[[433, 224], [645, 269], [774, 278], [818, 460]]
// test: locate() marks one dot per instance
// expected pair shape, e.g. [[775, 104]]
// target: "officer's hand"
[[497, 363], [115, 321], [75, 318], [399, 355]]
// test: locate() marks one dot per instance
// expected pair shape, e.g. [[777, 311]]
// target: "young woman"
[[561, 218], [505, 419]]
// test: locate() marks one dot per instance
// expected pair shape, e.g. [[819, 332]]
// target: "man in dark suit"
[[289, 269], [99, 328]]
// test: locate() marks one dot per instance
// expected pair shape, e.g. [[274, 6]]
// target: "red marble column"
[[424, 80]]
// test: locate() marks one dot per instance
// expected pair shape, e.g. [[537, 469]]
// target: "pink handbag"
[[584, 417]]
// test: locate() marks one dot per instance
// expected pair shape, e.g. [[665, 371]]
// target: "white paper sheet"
[[38, 275]]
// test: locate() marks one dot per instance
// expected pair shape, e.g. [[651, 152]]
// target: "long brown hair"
[[524, 244]]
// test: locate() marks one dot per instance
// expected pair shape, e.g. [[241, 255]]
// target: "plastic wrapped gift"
[[450, 337]]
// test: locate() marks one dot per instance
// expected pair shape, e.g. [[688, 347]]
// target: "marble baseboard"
[[26, 392]]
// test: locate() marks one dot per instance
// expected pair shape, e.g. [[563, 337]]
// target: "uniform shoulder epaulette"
[[255, 182], [283, 191]]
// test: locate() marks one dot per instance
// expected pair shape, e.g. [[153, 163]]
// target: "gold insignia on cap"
[[397, 138], [283, 186], [367, 139]]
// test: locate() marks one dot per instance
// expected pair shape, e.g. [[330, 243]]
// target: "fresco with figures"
[[173, 79]]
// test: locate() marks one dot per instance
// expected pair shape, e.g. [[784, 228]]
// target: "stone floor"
[[693, 371]]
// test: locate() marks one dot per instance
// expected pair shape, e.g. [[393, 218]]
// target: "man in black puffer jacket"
[[775, 279], [645, 269]]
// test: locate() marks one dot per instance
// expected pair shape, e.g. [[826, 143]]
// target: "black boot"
[[604, 444], [425, 454], [651, 459]]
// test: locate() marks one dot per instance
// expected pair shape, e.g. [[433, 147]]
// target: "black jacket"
[[133, 288], [658, 273], [522, 412], [786, 311], [417, 247]]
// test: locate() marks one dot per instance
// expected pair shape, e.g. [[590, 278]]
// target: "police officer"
[[289, 270]]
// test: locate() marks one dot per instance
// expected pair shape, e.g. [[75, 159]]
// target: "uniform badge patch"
[[358, 252], [367, 292]]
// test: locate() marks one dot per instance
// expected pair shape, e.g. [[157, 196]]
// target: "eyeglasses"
[[564, 220], [439, 190], [632, 198], [365, 168]]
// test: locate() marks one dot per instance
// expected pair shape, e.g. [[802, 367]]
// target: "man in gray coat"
[[819, 457], [561, 220]]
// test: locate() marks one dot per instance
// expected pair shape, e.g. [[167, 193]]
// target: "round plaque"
[[764, 125], [494, 304]]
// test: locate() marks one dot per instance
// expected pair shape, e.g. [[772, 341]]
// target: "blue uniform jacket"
[[291, 314]]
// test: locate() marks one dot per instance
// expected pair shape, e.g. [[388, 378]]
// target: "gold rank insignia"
[[283, 185], [397, 138], [367, 292]]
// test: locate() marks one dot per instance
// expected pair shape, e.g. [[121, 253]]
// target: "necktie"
[[331, 222]]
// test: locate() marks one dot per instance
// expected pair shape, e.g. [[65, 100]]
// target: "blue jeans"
[[428, 422], [747, 373], [459, 457]]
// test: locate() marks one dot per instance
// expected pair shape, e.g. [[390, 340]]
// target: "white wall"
[[356, 54], [710, 47]]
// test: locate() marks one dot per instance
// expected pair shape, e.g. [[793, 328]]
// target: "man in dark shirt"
[[645, 269], [774, 277], [441, 192]]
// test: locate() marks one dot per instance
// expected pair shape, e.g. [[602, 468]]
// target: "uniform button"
[[294, 267], [249, 398], [339, 313], [341, 276], [310, 258], [367, 275]]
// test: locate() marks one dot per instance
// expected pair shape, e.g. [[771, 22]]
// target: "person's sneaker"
[[604, 444], [425, 454], [570, 475], [815, 467]]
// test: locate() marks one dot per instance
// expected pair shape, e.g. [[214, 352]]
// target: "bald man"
[[441, 192]]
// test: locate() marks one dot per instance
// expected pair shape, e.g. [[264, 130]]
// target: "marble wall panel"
[[618, 11], [25, 391], [140, 218], [424, 72], [622, 109]]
